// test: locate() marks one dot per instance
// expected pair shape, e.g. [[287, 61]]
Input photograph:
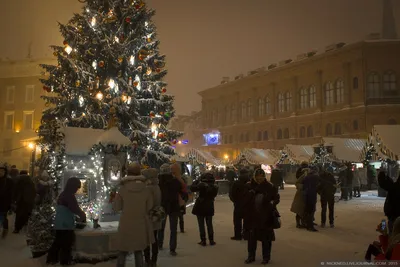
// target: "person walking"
[[277, 178], [135, 231], [6, 196], [357, 183], [171, 191], [237, 196], [204, 206], [298, 204], [25, 195], [349, 179], [392, 202], [327, 190], [177, 173], [158, 215], [261, 201], [310, 186], [64, 224]]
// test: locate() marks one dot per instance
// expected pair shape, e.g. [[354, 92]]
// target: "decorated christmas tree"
[[109, 63]]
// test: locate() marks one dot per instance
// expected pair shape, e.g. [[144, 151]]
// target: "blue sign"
[[212, 139]]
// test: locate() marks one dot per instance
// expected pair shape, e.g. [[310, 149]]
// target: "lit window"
[[281, 103], [389, 81], [373, 85], [244, 109], [339, 91], [329, 94], [288, 100], [312, 96], [267, 106], [260, 107], [303, 98], [249, 108]]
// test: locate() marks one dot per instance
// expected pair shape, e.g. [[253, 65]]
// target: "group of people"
[[255, 214], [19, 193]]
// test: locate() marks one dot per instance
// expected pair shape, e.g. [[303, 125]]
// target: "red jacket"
[[394, 254]]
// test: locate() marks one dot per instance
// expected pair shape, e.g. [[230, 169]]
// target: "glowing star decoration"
[[137, 80], [94, 64], [132, 60], [68, 49], [93, 22], [154, 130], [81, 101], [99, 96]]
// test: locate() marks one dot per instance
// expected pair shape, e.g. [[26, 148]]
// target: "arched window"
[[310, 132], [339, 91], [249, 108], [392, 122], [244, 108], [281, 103], [303, 98], [338, 128], [389, 82], [233, 112], [329, 94], [259, 136], [279, 134], [260, 107], [355, 125], [265, 135], [288, 100], [267, 106], [355, 82], [302, 132], [286, 133], [312, 96], [373, 85], [328, 130]]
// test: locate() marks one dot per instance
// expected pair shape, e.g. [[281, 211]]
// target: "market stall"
[[298, 153], [345, 149]]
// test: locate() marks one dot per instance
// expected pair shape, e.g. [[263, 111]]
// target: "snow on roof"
[[299, 153], [386, 140], [257, 156], [345, 149], [203, 157], [79, 141], [178, 158], [113, 137]]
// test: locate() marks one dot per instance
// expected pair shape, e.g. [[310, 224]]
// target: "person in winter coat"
[[135, 231], [177, 173], [25, 194], [299, 172], [43, 188], [204, 206], [310, 188], [371, 176], [236, 195], [392, 202], [349, 179], [327, 190], [171, 193], [344, 194], [261, 201], [152, 183], [357, 183], [6, 195], [298, 204], [64, 224], [277, 178]]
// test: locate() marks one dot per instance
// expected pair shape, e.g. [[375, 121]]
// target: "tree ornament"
[[161, 135], [167, 114], [135, 83], [159, 64], [128, 20], [120, 74], [163, 90], [55, 53], [130, 81], [161, 113], [152, 114], [149, 40], [65, 42], [101, 64], [120, 59], [149, 71], [174, 141], [158, 70], [77, 83]]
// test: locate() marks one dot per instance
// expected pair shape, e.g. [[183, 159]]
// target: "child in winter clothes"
[[64, 224]]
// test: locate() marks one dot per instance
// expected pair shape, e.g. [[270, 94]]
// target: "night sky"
[[208, 39]]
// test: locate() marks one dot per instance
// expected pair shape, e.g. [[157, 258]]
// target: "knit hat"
[[151, 175], [165, 169]]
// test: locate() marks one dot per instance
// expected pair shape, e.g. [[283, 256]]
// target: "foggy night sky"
[[208, 39]]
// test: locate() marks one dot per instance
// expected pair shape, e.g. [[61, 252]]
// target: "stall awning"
[[299, 153], [255, 156], [203, 157], [386, 140], [345, 149]]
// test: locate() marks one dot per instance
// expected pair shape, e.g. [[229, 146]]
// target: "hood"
[[5, 171], [165, 169], [72, 186], [134, 183], [151, 175]]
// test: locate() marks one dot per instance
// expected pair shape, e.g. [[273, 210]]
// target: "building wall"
[[20, 91], [347, 102]]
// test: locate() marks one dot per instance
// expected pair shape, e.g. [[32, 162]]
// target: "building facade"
[[20, 109], [341, 92]]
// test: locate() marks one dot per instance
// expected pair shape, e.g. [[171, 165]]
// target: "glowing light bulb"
[[99, 96], [129, 100], [94, 64], [68, 49], [81, 101], [116, 39], [137, 79], [132, 60], [124, 98], [111, 83], [146, 24], [93, 22]]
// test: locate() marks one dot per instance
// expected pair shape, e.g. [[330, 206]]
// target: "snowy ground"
[[356, 221]]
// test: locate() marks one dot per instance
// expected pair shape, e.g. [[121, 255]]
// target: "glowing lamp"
[[111, 83], [31, 145], [226, 156], [68, 49], [99, 96]]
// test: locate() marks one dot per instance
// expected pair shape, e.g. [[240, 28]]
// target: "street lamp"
[[226, 156], [32, 146]]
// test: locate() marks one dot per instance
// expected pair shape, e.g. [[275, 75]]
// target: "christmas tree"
[[109, 65]]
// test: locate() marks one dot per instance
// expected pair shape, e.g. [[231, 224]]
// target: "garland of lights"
[[282, 158], [322, 156]]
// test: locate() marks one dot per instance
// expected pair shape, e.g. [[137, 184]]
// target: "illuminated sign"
[[212, 139]]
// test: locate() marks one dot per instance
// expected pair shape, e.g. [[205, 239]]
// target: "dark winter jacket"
[[310, 189], [14, 173], [277, 178], [392, 202], [6, 192], [170, 188], [327, 185], [261, 201], [25, 192], [204, 205], [238, 190], [230, 175], [299, 171], [349, 176]]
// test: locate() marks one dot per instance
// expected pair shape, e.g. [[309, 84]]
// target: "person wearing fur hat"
[[135, 230], [157, 216], [261, 201], [43, 188], [171, 191], [204, 206], [6, 195]]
